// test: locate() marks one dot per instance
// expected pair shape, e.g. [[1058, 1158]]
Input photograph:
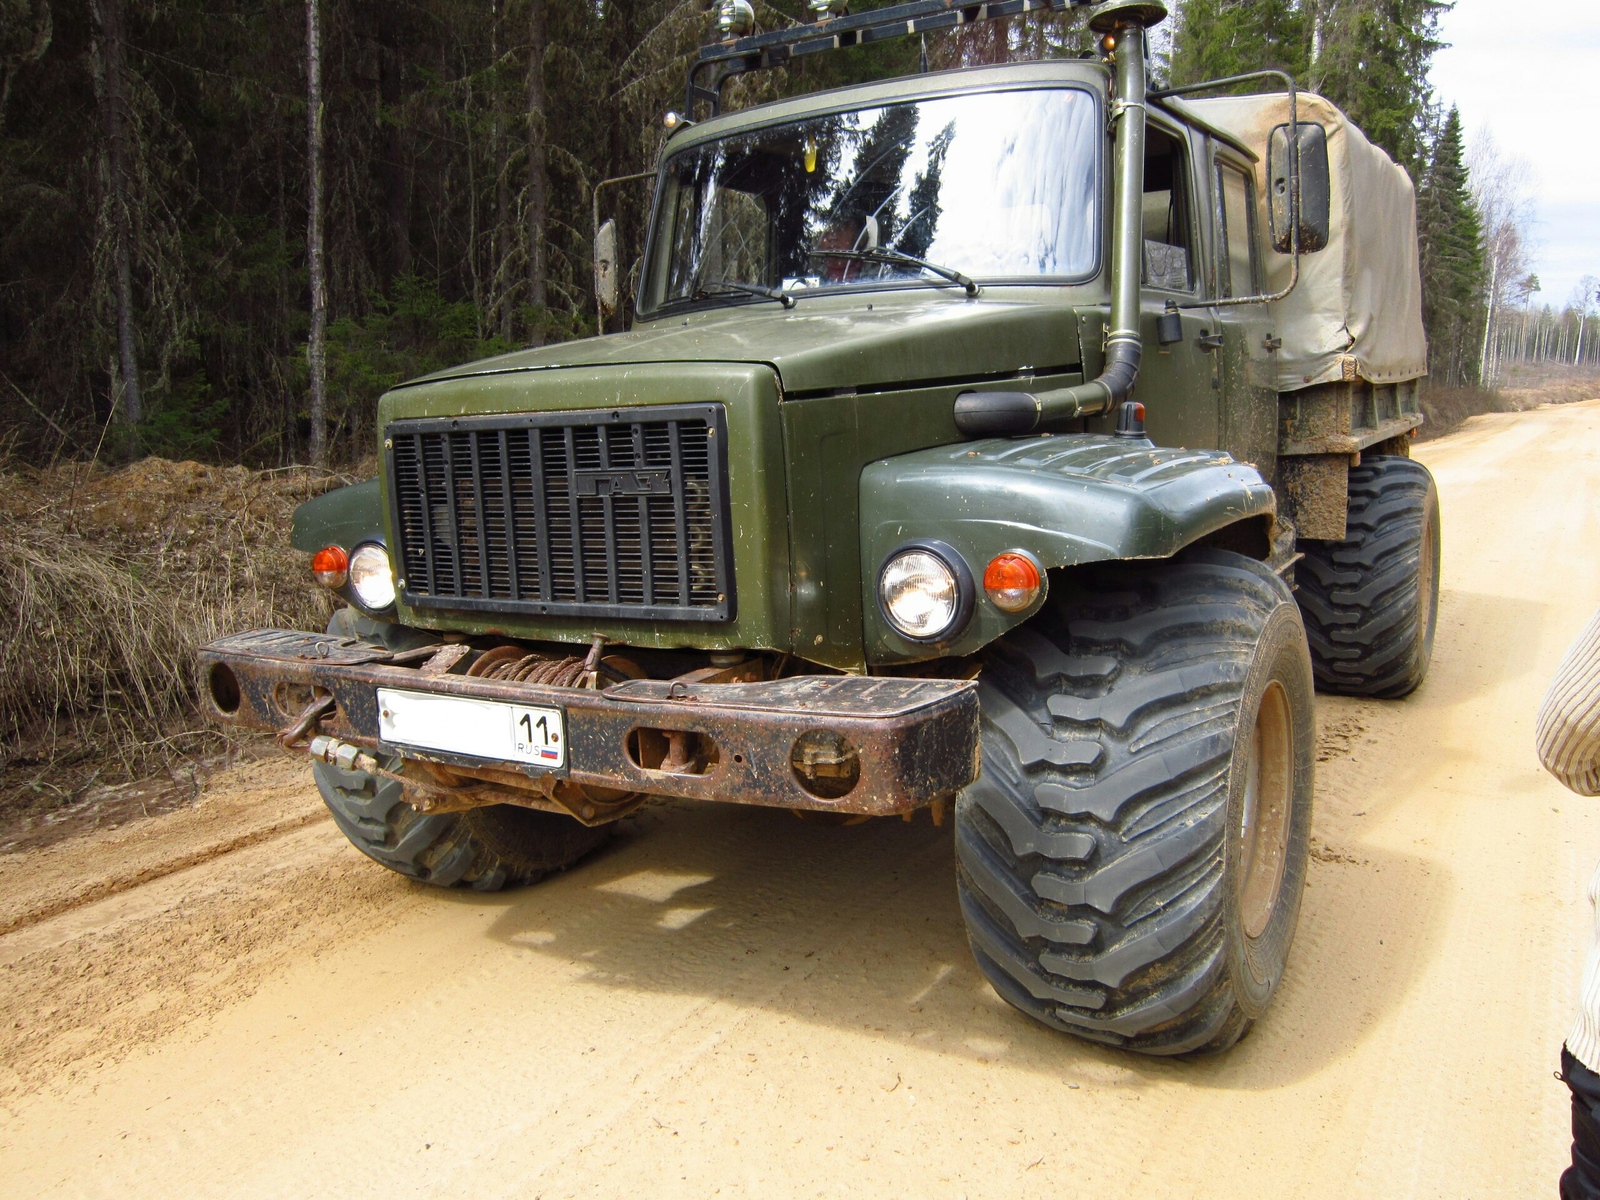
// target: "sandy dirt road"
[[732, 1002]]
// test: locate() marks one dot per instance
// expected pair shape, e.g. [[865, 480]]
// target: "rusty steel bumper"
[[914, 741]]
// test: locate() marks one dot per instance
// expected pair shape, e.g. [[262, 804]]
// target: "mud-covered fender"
[[1067, 499], [345, 517]]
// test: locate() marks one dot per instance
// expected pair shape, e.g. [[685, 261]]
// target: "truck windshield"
[[992, 185]]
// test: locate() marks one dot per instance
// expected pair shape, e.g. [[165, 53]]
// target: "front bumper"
[[915, 740]]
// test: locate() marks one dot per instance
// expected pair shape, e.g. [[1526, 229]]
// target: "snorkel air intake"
[[1008, 414]]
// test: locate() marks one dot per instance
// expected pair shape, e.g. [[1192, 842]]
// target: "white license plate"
[[477, 728]]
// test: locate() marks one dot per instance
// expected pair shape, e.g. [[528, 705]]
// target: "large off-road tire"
[[1371, 601], [1132, 857], [485, 849]]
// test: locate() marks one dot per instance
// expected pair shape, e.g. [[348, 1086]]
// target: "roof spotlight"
[[735, 18]]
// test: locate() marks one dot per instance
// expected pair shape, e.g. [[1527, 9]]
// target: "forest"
[[163, 265]]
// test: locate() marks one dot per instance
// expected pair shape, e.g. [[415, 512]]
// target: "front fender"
[[345, 517], [1068, 499]]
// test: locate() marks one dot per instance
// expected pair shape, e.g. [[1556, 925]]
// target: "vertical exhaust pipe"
[[999, 414]]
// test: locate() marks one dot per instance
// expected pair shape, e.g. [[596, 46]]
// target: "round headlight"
[[921, 594], [371, 579]]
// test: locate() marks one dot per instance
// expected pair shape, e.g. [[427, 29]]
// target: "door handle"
[[1209, 341]]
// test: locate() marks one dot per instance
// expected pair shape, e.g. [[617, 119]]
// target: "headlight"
[[371, 579], [926, 593]]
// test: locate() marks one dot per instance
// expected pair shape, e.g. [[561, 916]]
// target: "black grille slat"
[[509, 515], [646, 576], [679, 519], [610, 514]]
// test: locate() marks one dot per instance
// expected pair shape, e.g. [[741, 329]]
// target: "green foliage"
[[457, 201], [442, 229], [1452, 250], [412, 332], [1370, 57], [186, 421], [1374, 65], [1219, 38]]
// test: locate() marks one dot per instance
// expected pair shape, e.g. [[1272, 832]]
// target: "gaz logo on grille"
[[623, 483]]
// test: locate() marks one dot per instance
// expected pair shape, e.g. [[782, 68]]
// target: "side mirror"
[[1315, 190], [605, 266]]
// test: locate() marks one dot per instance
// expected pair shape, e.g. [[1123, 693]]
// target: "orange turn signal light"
[[331, 566], [1012, 581]]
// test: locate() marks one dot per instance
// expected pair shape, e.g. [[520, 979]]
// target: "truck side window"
[[1236, 213], [1168, 242]]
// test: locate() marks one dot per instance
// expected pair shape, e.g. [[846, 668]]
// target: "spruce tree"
[[1218, 38], [1373, 63], [1450, 239]]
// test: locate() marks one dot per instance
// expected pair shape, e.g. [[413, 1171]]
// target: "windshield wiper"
[[882, 254], [725, 286]]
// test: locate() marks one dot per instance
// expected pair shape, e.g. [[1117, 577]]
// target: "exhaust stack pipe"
[[1008, 414]]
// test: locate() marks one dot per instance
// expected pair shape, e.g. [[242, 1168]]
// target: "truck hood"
[[829, 342]]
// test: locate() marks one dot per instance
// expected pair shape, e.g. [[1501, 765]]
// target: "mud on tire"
[[1371, 601], [485, 849], [1105, 852]]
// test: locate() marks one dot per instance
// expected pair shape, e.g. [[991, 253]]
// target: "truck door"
[[1247, 366], [1177, 383]]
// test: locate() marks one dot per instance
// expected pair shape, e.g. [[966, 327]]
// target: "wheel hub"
[[1264, 817]]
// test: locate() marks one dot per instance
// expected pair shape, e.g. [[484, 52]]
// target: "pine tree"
[[1218, 38], [1370, 57], [1450, 239], [1373, 63]]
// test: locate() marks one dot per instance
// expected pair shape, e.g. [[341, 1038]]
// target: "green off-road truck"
[[1018, 439]]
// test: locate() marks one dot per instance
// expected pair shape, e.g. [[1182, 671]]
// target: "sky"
[[1527, 74]]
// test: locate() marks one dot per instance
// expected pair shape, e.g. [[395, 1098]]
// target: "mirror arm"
[[594, 234], [1294, 180]]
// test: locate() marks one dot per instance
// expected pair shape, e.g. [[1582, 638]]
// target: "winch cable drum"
[[521, 667], [1009, 414], [513, 664]]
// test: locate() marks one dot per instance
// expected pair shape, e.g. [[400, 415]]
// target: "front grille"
[[608, 514]]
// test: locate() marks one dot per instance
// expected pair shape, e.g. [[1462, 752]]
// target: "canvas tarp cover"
[[1357, 311]]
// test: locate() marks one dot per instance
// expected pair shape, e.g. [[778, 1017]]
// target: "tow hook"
[[344, 755]]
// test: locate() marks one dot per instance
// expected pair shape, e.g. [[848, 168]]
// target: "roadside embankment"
[[108, 580], [1522, 387]]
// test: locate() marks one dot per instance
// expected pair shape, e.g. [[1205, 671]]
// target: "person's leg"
[[1581, 1181]]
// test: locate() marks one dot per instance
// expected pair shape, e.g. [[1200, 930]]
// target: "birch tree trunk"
[[317, 350], [1489, 315], [111, 62], [538, 173], [1314, 16]]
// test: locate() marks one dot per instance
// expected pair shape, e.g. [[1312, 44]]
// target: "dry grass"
[[108, 581], [1447, 408], [1533, 384], [1522, 388]]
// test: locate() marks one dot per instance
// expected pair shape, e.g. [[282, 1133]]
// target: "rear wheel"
[[486, 849], [1132, 857], [1371, 601]]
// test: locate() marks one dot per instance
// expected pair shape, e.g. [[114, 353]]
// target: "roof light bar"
[[720, 61]]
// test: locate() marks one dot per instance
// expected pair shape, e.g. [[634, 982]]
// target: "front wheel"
[[1132, 857], [486, 849]]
